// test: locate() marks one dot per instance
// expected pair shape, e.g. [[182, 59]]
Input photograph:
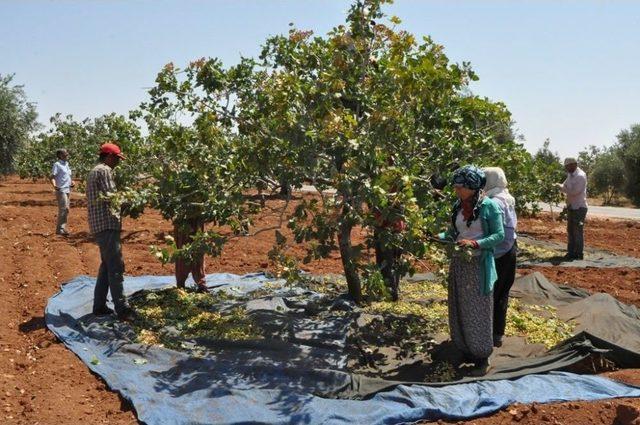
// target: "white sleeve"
[[565, 186], [54, 169], [578, 188]]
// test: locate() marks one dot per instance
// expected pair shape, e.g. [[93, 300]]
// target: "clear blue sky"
[[567, 70]]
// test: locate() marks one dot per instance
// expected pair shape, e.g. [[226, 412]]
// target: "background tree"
[[196, 175], [586, 160], [371, 112], [607, 175], [519, 167], [549, 170], [629, 148], [83, 139], [588, 157], [18, 119]]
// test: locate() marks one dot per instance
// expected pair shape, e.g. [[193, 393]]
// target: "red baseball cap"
[[111, 148]]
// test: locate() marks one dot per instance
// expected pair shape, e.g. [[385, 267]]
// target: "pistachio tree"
[[194, 172], [549, 170], [371, 112], [83, 139]]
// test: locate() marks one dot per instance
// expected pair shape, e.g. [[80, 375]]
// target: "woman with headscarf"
[[505, 252], [476, 224]]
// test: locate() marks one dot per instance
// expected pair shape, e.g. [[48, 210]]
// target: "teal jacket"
[[491, 216]]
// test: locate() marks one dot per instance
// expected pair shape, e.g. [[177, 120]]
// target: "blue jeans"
[[110, 274], [575, 231]]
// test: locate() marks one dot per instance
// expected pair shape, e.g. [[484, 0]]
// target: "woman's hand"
[[468, 242]]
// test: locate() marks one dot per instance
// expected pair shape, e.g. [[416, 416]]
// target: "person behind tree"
[[476, 225], [575, 188], [505, 252], [183, 234], [106, 227], [62, 184], [387, 253]]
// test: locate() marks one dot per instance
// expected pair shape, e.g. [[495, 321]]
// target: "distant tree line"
[[614, 171]]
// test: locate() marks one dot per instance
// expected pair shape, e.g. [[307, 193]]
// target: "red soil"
[[41, 382]]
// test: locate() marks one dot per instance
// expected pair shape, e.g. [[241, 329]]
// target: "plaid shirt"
[[100, 182]]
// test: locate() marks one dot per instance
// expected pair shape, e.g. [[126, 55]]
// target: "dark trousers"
[[575, 232], [387, 259], [184, 235], [111, 272], [506, 269]]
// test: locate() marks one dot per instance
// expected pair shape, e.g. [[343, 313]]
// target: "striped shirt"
[[100, 182]]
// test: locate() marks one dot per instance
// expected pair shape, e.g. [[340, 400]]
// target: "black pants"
[[387, 259], [506, 269]]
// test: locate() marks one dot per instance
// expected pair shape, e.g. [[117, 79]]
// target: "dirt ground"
[[618, 236], [41, 382]]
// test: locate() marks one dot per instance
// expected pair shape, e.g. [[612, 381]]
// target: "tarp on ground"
[[544, 253], [303, 379]]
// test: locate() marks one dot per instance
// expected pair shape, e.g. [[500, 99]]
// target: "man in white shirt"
[[575, 188], [62, 184]]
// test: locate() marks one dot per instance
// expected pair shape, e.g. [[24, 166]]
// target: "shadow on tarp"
[[271, 381]]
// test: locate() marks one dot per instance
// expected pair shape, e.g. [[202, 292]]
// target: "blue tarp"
[[170, 387]]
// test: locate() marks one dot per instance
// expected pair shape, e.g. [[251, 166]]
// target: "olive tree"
[[607, 175], [629, 145], [18, 119]]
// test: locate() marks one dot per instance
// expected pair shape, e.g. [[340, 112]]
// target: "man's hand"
[[558, 186], [468, 242]]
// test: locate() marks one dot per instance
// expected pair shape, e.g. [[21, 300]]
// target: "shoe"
[[62, 233], [466, 361], [497, 340], [578, 257], [568, 257], [127, 315], [202, 288], [480, 368], [102, 311]]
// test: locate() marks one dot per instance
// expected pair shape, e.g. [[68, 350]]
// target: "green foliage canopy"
[[195, 173], [18, 119], [629, 147], [371, 112], [607, 175], [549, 170], [83, 139]]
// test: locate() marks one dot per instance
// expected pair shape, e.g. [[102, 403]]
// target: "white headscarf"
[[497, 185]]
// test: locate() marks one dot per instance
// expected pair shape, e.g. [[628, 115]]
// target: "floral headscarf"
[[472, 178]]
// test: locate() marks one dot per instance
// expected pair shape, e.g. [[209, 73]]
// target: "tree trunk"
[[386, 260], [285, 188], [348, 262]]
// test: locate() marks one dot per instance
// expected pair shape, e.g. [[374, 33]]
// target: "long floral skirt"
[[470, 311]]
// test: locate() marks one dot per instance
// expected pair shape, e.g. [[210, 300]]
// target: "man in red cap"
[[106, 226]]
